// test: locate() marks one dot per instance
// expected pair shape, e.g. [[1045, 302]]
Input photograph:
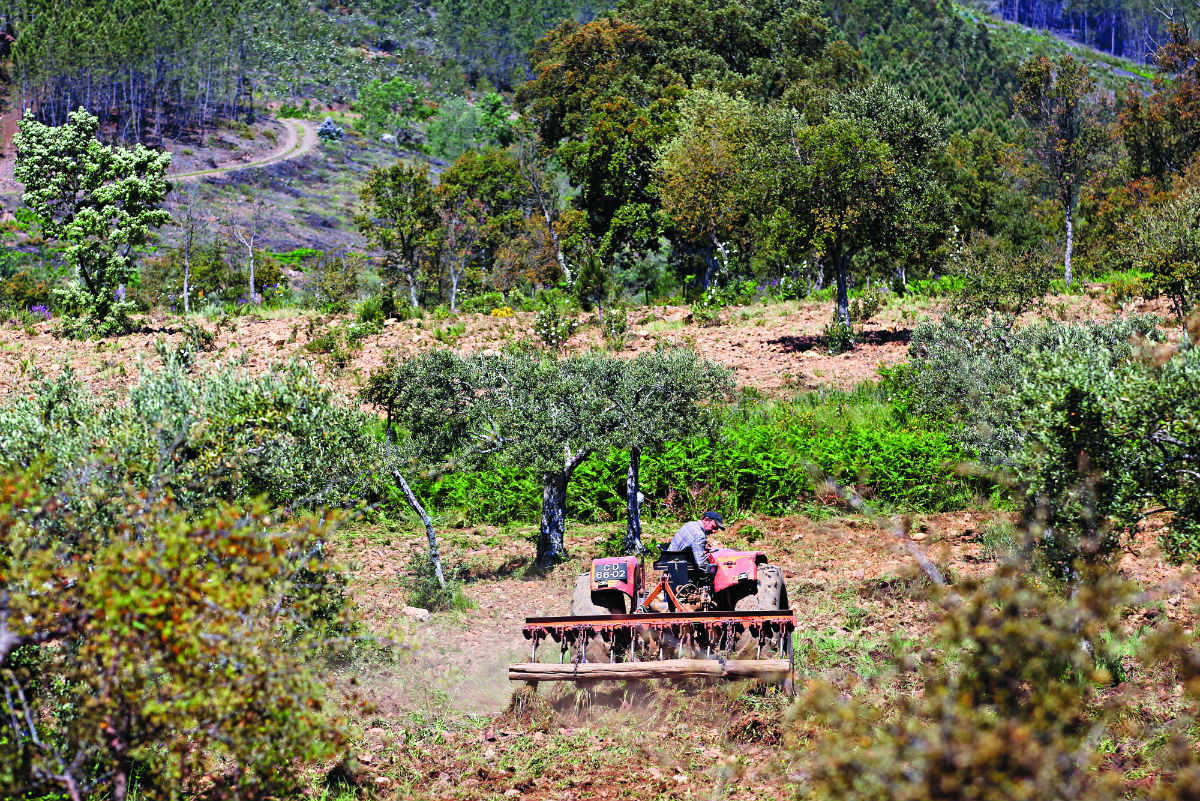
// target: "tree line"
[[1131, 28], [148, 70], [773, 154]]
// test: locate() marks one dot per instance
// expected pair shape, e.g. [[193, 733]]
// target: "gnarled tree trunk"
[[550, 549]]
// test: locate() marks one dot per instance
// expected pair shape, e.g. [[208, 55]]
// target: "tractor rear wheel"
[[588, 603], [770, 596]]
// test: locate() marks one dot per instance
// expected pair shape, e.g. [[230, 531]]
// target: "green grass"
[[864, 654]]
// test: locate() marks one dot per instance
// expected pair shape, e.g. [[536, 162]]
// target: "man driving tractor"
[[694, 535]]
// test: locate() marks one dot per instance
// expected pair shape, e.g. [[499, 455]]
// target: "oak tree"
[[398, 212]]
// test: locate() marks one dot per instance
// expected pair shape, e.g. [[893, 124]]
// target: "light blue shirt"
[[691, 535]]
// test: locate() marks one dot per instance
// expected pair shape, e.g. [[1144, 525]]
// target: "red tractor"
[[732, 609]]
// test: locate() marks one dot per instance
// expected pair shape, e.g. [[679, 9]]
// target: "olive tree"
[[551, 415], [545, 415], [662, 396], [102, 201]]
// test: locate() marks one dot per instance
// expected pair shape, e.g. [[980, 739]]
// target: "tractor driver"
[[694, 535]]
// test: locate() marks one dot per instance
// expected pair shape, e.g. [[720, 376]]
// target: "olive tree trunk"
[[550, 548], [633, 514]]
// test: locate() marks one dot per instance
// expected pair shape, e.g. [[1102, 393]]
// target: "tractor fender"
[[734, 567], [616, 573]]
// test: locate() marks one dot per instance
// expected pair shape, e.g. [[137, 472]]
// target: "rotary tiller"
[[727, 619]]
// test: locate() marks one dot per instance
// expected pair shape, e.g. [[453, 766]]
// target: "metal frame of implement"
[[708, 631]]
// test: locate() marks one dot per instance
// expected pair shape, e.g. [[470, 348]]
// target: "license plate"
[[613, 572]]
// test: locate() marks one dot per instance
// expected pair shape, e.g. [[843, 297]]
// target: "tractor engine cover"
[[616, 573], [734, 567]]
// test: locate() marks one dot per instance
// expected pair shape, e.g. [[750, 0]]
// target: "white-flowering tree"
[[102, 202]]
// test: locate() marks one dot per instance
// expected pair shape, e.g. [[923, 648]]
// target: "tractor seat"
[[680, 567]]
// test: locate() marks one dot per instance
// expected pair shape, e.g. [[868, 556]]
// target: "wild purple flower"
[[40, 310], [242, 301]]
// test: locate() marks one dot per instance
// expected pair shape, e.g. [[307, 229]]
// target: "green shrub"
[[1106, 444], [223, 434], [996, 281], [482, 304], [371, 310], [450, 334], [837, 337], [616, 328], [940, 287], [335, 283], [706, 316], [867, 305], [1181, 541], [23, 290], [422, 589], [553, 327], [962, 372], [998, 539], [1124, 287], [1166, 245], [1095, 422]]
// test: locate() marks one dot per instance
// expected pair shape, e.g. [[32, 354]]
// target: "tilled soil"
[[442, 725], [774, 350], [777, 353]]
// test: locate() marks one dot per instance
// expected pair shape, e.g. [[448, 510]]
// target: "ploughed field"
[[444, 722], [774, 349]]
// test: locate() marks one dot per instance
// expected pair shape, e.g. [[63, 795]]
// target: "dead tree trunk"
[[435, 555]]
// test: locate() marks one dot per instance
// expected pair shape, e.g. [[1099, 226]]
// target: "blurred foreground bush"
[[161, 653], [1006, 712], [1098, 424]]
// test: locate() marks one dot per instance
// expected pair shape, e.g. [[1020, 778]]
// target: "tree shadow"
[[805, 342]]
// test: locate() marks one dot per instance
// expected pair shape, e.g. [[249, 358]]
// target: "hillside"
[[963, 61], [549, 399]]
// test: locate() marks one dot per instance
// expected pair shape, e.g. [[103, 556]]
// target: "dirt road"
[[299, 137]]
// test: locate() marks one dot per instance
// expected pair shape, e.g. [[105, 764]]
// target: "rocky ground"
[[774, 350]]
